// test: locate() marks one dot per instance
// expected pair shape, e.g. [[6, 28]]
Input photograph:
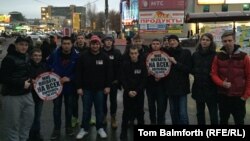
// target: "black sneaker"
[[69, 131], [55, 135]]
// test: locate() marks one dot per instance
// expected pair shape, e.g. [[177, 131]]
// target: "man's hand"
[[80, 92], [106, 90], [64, 79], [172, 60], [27, 84], [226, 84]]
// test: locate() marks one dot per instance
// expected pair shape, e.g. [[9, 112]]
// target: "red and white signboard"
[[162, 4], [48, 86], [158, 64], [161, 17]]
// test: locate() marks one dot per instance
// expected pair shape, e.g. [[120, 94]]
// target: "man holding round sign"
[[158, 66]]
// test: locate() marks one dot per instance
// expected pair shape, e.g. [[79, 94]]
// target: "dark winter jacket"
[[94, 72], [177, 81], [14, 72], [203, 88]]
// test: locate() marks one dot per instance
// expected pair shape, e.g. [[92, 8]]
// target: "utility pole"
[[106, 16]]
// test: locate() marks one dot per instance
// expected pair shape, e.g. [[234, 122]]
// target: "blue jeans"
[[89, 97], [178, 109], [58, 110]]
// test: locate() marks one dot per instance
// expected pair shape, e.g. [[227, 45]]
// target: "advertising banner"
[[161, 4], [158, 64], [76, 21], [48, 86], [161, 17]]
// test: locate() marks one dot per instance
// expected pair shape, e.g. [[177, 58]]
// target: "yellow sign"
[[211, 1], [5, 18], [76, 21]]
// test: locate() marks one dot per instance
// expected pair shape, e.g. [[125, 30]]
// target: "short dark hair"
[[66, 38], [137, 36], [133, 48], [158, 40]]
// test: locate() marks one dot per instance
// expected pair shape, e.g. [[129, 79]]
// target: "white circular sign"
[[158, 64], [48, 86]]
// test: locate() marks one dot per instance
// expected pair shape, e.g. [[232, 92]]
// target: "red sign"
[[161, 4]]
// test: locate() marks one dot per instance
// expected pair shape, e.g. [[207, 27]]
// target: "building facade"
[[64, 16]]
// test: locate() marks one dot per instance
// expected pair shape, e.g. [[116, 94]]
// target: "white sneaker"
[[81, 134], [102, 133]]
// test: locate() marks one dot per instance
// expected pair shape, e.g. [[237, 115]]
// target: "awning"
[[217, 16]]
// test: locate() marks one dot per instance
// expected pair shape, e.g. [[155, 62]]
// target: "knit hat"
[[22, 39], [108, 38], [95, 38], [174, 37]]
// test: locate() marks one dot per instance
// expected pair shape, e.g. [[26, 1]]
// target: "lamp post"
[[106, 16]]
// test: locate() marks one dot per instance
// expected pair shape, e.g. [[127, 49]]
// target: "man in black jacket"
[[18, 105], [133, 78], [93, 80], [115, 60]]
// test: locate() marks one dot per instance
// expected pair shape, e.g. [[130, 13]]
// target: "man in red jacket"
[[231, 73]]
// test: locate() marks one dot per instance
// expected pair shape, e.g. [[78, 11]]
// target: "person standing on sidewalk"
[[177, 83], [18, 105], [133, 79], [37, 67], [204, 91], [115, 60], [63, 62], [93, 79], [231, 73]]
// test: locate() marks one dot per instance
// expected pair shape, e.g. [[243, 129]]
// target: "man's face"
[[228, 42], [137, 43], [108, 42], [156, 45], [80, 40], [67, 46], [36, 57], [95, 46], [134, 53], [173, 43], [22, 47]]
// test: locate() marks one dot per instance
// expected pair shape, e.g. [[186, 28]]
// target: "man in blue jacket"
[[63, 62]]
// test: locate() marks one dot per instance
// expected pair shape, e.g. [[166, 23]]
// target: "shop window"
[[224, 7], [246, 7], [206, 8]]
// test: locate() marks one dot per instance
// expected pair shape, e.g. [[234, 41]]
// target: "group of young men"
[[98, 70]]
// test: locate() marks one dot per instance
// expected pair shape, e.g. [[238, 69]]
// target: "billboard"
[[161, 17], [76, 21], [5, 18], [161, 4]]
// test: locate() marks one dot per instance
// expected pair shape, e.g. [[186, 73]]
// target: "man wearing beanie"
[[115, 60], [93, 80], [177, 82], [18, 105]]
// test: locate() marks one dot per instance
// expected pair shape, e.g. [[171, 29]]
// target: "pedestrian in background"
[[177, 83], [231, 73], [204, 91], [18, 105]]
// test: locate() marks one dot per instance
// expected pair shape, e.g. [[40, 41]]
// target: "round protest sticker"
[[48, 86], [158, 64]]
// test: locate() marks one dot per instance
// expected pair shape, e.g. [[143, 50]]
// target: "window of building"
[[224, 7], [246, 7], [206, 8]]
